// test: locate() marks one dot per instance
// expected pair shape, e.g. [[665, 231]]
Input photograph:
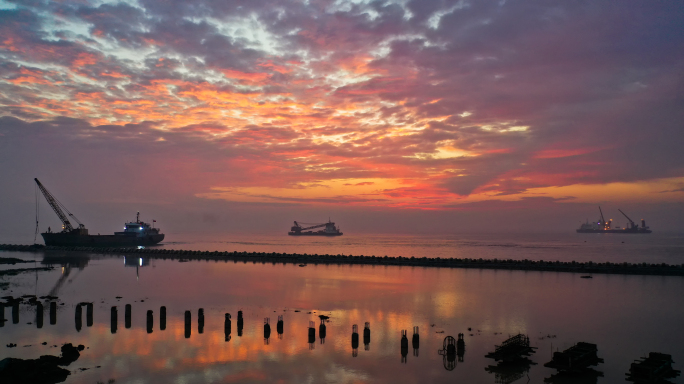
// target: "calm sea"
[[651, 248], [626, 316]]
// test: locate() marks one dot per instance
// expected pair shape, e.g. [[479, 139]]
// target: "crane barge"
[[330, 229], [135, 233], [603, 226]]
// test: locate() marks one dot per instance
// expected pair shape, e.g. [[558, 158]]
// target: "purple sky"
[[387, 116]]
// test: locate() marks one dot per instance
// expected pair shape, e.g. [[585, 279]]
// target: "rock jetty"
[[297, 258]]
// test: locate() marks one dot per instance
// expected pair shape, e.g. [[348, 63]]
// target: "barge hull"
[[77, 240], [314, 234]]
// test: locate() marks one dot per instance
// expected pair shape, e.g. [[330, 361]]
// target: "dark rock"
[[69, 354], [44, 370]]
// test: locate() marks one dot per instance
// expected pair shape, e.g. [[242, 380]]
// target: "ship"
[[330, 229], [603, 226], [135, 233]]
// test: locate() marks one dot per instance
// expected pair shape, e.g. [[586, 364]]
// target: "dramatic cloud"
[[415, 104]]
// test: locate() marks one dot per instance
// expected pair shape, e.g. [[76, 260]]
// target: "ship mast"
[[57, 207]]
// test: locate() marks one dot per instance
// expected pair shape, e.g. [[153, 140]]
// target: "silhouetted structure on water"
[[448, 353], [404, 346], [514, 348], [227, 327], [576, 358], [267, 330], [312, 334], [150, 321], [114, 318], [506, 372], [188, 324], [322, 331], [415, 341], [460, 347], [355, 340], [366, 336], [162, 318], [127, 316], [656, 368]]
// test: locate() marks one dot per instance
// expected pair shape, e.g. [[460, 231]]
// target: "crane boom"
[[312, 227], [58, 210], [630, 220]]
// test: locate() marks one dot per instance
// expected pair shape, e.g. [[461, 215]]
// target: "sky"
[[384, 116]]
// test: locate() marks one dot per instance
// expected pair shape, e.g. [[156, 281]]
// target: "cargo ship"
[[603, 226], [135, 233], [329, 230]]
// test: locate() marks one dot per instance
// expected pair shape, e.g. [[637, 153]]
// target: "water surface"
[[627, 316]]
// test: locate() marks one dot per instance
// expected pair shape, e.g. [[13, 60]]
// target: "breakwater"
[[315, 259]]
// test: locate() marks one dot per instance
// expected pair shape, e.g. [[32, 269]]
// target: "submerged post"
[[39, 315], [200, 321], [312, 334], [150, 321], [404, 346], [279, 326], [366, 336], [162, 318], [188, 324], [415, 342], [89, 314], [79, 317], [2, 314], [53, 313], [239, 324], [460, 347], [322, 331], [267, 330], [355, 340], [127, 316], [227, 327], [15, 313], [114, 319]]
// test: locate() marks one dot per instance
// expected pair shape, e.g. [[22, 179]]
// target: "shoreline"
[[296, 258]]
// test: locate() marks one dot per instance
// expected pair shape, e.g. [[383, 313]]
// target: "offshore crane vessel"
[[135, 232], [603, 226], [330, 230]]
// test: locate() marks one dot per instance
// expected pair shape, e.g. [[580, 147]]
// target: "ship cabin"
[[138, 228]]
